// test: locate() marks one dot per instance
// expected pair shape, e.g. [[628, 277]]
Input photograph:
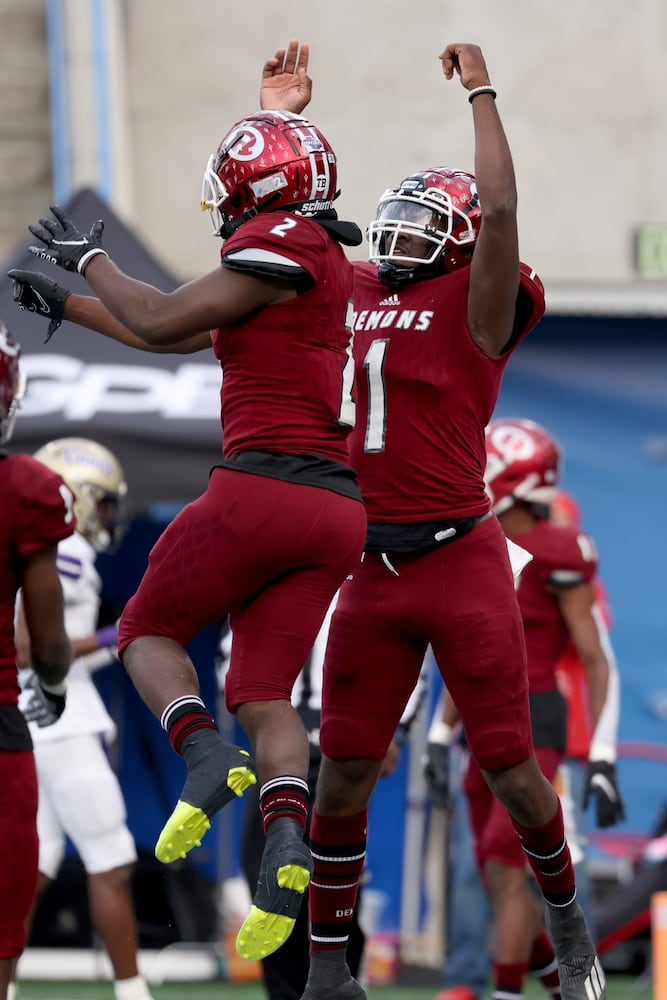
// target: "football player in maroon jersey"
[[557, 598], [439, 310], [37, 512], [282, 521]]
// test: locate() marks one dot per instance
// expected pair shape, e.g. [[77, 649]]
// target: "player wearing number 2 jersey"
[[281, 523], [435, 322]]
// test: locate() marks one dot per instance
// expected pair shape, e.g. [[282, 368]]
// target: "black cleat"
[[579, 969]]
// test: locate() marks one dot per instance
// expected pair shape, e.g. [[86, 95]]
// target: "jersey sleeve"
[[530, 306], [46, 507], [575, 561], [276, 245]]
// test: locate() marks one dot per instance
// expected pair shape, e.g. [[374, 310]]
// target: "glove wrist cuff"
[[440, 733], [87, 257]]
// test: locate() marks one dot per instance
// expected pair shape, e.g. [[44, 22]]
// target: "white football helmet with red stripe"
[[267, 161], [523, 463], [12, 383]]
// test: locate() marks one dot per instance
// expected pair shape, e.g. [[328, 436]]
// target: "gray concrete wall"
[[580, 88], [25, 136]]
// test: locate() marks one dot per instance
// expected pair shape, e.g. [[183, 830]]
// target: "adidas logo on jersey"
[[392, 300]]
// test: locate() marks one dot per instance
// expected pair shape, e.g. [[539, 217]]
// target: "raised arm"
[[494, 271], [285, 84]]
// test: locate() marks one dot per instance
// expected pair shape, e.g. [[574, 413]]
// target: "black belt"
[[418, 536]]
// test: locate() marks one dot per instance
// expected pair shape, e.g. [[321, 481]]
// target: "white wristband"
[[59, 689], [440, 733], [487, 89], [602, 751]]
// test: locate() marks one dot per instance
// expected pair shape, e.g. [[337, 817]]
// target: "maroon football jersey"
[[425, 392], [287, 373], [36, 513], [562, 556]]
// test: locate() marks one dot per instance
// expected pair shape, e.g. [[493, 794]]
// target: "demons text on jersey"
[[392, 317]]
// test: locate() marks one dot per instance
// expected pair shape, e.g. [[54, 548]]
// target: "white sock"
[[131, 989], [11, 991]]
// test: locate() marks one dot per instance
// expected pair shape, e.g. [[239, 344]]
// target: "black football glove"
[[602, 785], [41, 706], [436, 773], [38, 294], [65, 244]]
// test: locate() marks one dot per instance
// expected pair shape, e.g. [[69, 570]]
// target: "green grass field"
[[619, 988]]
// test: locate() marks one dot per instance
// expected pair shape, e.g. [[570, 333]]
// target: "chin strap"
[[395, 276]]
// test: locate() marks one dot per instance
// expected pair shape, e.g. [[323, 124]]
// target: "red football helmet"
[[267, 161], [440, 206], [12, 383], [523, 462], [565, 510]]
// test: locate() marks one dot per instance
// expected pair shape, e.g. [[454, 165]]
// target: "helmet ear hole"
[[455, 257]]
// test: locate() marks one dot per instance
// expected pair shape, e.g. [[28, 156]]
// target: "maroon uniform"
[[287, 382], [425, 394], [36, 513], [281, 523], [562, 557]]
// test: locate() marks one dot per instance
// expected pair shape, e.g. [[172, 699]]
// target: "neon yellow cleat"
[[279, 895], [203, 796]]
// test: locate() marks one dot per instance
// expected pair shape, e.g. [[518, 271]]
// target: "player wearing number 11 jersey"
[[439, 310]]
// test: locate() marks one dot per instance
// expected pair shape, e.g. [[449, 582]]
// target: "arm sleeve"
[[603, 742]]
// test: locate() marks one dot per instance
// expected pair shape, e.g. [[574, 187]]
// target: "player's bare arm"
[[285, 84], [576, 605], [494, 271], [43, 606], [219, 298], [89, 312], [38, 293]]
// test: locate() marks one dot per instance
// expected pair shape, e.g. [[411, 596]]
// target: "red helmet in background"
[[523, 463], [565, 510], [440, 206], [12, 383], [267, 161]]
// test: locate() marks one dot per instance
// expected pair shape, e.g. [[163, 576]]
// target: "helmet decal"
[[271, 160]]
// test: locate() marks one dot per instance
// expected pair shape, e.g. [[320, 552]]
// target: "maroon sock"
[[286, 797], [544, 966], [338, 844], [184, 716], [508, 979], [549, 856]]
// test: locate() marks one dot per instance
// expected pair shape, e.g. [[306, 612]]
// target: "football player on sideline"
[[282, 522], [37, 513], [439, 310], [79, 794], [557, 598]]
